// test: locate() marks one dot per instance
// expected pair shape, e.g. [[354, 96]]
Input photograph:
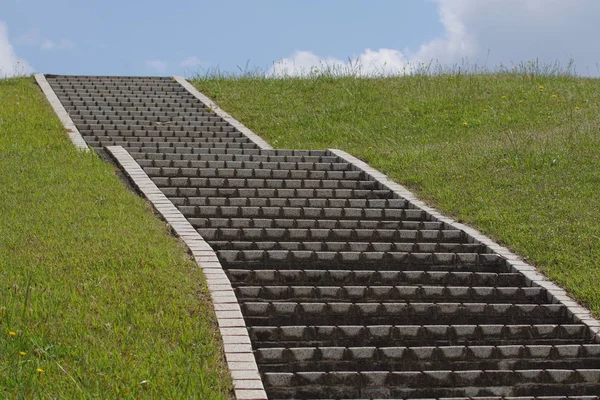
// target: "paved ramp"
[[348, 287]]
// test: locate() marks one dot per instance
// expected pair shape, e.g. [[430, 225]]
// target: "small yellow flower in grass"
[[370, 147], [503, 97], [577, 108], [485, 110], [541, 88], [22, 353], [554, 96], [465, 123], [11, 333], [39, 370]]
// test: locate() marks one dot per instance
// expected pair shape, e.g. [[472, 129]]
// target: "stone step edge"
[[532, 276], [221, 113], [236, 341], [62, 114]]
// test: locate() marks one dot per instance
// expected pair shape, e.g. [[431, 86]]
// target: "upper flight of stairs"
[[347, 289]]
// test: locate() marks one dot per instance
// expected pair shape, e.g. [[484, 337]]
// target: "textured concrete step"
[[326, 246], [241, 183], [293, 202], [393, 236], [186, 189], [241, 277], [393, 293], [436, 384], [302, 159], [382, 335], [313, 213], [256, 173], [261, 223], [189, 148], [124, 142], [129, 138], [399, 261], [399, 312], [273, 165], [456, 358]]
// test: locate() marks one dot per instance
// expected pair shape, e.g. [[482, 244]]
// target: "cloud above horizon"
[[32, 38], [156, 65], [63, 44], [193, 62], [483, 34], [10, 63]]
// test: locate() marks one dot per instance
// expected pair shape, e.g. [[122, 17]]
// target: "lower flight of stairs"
[[350, 292], [347, 289]]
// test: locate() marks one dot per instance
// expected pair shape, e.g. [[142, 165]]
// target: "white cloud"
[[456, 43], [484, 34], [370, 62], [10, 64], [32, 38], [513, 31], [303, 63], [63, 44], [193, 62], [156, 65], [29, 38]]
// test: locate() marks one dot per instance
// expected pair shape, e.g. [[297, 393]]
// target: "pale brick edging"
[[533, 277], [223, 114], [63, 115], [236, 342]]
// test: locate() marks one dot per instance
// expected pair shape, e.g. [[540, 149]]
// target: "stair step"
[[158, 160], [240, 277], [392, 294], [179, 191], [403, 384], [456, 358], [399, 312], [174, 135], [277, 223], [129, 138], [394, 236], [257, 156], [198, 117], [181, 147], [327, 246], [306, 176], [291, 202], [184, 118], [346, 335], [256, 183], [398, 260]]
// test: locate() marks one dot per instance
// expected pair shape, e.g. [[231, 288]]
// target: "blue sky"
[[283, 36]]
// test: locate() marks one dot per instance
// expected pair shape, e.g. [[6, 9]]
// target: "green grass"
[[517, 155], [93, 290]]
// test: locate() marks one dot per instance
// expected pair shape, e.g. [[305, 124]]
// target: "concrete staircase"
[[347, 289]]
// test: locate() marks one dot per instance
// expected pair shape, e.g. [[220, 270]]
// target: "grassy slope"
[[515, 155], [93, 291]]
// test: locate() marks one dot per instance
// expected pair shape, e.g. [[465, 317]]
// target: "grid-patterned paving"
[[347, 290]]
